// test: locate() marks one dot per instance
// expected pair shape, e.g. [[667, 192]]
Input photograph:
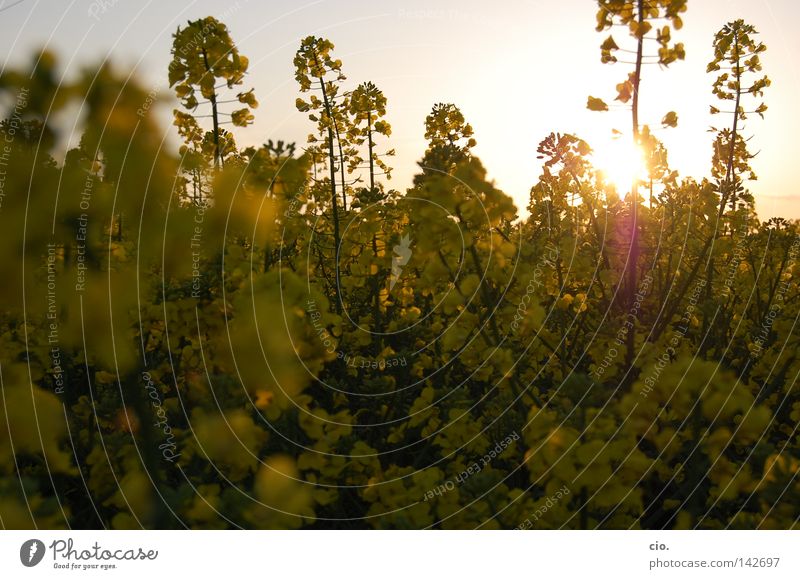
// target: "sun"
[[621, 162]]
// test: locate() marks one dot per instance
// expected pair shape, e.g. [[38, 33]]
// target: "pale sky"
[[517, 69]]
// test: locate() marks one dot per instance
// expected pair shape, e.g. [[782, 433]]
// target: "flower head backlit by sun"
[[621, 162]]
